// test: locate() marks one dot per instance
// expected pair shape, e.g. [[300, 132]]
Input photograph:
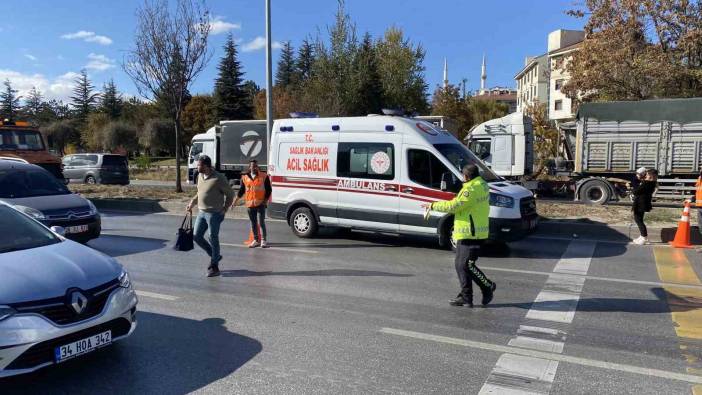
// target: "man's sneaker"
[[213, 271], [264, 244], [461, 301], [254, 244], [640, 241], [487, 296]]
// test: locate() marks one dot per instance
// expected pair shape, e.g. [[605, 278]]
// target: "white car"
[[58, 299]]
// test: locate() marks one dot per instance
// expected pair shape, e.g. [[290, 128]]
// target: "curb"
[[616, 233], [148, 206]]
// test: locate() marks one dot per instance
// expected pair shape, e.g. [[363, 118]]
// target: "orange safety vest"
[[255, 193], [698, 193]]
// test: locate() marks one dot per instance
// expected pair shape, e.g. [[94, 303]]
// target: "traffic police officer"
[[471, 226]]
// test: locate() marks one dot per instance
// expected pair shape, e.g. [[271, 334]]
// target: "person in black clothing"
[[643, 195]]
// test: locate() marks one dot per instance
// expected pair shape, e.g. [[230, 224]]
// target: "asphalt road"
[[365, 313]]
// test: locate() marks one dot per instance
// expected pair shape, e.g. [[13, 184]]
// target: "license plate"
[[81, 347], [77, 229]]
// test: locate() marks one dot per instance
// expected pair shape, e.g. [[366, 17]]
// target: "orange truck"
[[19, 140]]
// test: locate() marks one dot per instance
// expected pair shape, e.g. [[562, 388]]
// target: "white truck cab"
[[375, 172], [505, 144]]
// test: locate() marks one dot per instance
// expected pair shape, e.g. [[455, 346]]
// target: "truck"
[[230, 145], [21, 141], [602, 148]]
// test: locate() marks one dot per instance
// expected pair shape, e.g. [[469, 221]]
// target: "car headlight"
[[501, 201], [93, 209], [32, 212], [124, 280], [6, 312]]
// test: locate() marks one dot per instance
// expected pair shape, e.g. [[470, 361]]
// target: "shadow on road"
[[165, 355], [116, 246], [313, 273], [664, 303]]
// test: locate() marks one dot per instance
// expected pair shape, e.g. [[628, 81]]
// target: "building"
[[532, 82], [561, 45], [543, 76], [501, 95]]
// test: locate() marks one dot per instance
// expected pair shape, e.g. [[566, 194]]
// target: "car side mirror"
[[444, 182], [59, 230]]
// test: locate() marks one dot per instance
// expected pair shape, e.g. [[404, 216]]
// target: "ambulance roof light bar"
[[395, 112], [300, 114]]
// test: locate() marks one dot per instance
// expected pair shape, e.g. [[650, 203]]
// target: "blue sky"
[[46, 42]]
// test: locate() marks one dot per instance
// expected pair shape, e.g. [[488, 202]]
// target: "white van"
[[375, 172]]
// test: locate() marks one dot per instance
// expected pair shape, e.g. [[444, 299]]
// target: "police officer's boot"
[[460, 300]]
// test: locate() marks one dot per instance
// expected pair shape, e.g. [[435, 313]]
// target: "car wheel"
[[303, 222], [90, 180]]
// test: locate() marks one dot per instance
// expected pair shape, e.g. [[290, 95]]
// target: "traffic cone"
[[251, 236], [682, 236]]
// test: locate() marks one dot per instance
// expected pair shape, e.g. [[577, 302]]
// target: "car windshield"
[[21, 140], [16, 183], [459, 156], [26, 233]]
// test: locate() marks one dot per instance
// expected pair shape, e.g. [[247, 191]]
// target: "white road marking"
[[547, 355], [156, 295], [519, 374], [554, 306], [533, 343], [274, 248]]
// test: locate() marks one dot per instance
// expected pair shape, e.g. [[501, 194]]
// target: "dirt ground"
[[613, 215], [157, 174]]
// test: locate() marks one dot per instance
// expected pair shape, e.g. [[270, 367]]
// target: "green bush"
[[143, 162]]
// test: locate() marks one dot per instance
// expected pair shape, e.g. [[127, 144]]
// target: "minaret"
[[445, 74], [483, 77]]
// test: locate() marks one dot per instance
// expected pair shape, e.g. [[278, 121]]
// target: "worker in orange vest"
[[256, 190]]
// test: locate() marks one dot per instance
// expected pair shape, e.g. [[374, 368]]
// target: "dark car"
[[96, 168], [37, 193]]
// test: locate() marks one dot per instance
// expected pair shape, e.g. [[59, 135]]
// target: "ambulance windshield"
[[459, 156]]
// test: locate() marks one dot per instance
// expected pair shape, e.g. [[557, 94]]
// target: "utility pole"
[[269, 84]]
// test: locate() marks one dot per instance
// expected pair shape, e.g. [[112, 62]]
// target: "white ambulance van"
[[375, 172]]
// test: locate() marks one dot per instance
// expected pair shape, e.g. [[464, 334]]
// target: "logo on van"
[[251, 144]]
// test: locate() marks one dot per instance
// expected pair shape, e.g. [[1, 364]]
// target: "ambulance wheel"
[[445, 239], [303, 222]]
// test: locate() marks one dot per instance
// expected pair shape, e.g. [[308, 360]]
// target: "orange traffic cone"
[[682, 236], [251, 236]]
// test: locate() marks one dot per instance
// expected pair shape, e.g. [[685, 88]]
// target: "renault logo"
[[78, 302]]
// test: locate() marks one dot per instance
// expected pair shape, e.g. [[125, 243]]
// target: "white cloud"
[[89, 37], [58, 88], [219, 26], [99, 62], [30, 57], [259, 43]]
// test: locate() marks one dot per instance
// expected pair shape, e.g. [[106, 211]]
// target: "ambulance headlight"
[[501, 201]]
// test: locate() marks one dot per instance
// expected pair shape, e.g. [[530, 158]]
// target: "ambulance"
[[375, 173]]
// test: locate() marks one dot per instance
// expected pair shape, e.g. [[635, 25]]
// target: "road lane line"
[[685, 304], [664, 374], [156, 295], [556, 303], [274, 248]]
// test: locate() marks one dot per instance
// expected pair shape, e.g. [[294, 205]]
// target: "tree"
[[367, 84], [84, 99], [251, 89], [231, 100], [157, 136], [284, 102], [119, 137], [449, 103], [60, 134], [111, 103], [198, 116], [304, 62], [170, 51], [545, 137], [285, 72], [485, 110], [9, 102], [137, 113], [402, 72], [33, 105], [92, 135], [637, 49]]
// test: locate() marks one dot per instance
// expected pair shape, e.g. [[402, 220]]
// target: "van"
[[374, 173], [96, 168]]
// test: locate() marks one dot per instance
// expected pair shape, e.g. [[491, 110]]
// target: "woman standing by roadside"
[[643, 195]]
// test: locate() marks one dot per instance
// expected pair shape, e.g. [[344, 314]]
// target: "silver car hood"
[[49, 271], [51, 202]]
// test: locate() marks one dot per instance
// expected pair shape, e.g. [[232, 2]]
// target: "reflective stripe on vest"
[[698, 193], [255, 194]]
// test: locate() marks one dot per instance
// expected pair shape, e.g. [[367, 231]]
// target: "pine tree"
[[34, 105], [304, 62], [367, 82], [111, 102], [231, 101], [84, 98], [285, 72], [9, 102]]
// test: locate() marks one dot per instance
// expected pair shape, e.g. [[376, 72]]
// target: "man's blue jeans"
[[211, 221]]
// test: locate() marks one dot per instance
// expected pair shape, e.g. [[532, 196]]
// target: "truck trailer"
[[603, 148]]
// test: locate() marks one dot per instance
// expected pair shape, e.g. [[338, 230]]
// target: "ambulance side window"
[[427, 170], [366, 160]]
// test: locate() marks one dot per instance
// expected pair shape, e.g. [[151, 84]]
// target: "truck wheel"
[[595, 192], [303, 223], [90, 180]]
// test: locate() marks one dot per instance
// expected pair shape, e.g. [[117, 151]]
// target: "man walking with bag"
[[256, 190], [214, 196], [471, 227]]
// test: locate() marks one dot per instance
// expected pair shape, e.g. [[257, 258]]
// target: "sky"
[[45, 43]]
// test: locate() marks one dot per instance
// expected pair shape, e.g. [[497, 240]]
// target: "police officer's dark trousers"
[[467, 252]]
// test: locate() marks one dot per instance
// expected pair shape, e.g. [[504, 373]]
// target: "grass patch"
[[158, 174], [130, 192]]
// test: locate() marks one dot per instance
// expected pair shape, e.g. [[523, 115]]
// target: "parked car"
[[58, 299], [96, 168], [39, 194]]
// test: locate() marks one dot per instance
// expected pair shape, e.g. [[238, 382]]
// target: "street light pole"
[[269, 83]]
